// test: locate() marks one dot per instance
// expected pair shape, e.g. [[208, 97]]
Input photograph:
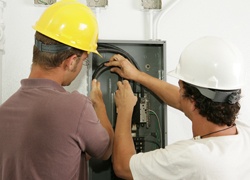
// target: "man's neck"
[[205, 128], [55, 74]]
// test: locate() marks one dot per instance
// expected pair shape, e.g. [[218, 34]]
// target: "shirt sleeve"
[[152, 165], [93, 137], [208, 158], [164, 163]]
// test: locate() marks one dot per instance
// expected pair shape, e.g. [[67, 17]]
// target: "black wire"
[[99, 70], [125, 53], [116, 50], [108, 48], [102, 68]]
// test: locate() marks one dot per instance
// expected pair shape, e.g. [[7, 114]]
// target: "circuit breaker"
[[149, 116]]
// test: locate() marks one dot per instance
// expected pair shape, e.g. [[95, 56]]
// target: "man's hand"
[[124, 147], [100, 109], [96, 93], [124, 97], [123, 67]]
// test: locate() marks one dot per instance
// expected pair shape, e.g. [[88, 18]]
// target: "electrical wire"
[[159, 126], [108, 48], [115, 49]]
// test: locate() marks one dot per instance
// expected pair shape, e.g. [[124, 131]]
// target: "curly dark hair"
[[221, 113], [51, 60]]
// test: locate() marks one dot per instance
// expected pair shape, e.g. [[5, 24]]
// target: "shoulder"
[[243, 129], [72, 103], [171, 152], [171, 158], [76, 98], [242, 124]]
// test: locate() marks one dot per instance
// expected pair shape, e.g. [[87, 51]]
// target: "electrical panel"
[[149, 116]]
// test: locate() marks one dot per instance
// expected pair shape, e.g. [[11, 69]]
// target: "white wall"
[[125, 20], [1, 80], [2, 6]]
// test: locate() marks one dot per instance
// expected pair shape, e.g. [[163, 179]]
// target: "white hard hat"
[[211, 62]]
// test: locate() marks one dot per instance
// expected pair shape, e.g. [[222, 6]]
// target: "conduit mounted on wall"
[[96, 6], [151, 7], [158, 19]]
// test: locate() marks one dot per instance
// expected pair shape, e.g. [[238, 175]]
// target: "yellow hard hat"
[[70, 22]]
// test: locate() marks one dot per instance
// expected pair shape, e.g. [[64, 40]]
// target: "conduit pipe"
[[160, 16], [97, 13], [151, 23]]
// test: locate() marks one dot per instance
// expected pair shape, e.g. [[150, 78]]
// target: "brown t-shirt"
[[46, 131]]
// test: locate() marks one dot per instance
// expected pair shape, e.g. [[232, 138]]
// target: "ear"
[[70, 63]]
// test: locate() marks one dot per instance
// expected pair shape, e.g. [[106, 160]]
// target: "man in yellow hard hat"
[[45, 131], [211, 74]]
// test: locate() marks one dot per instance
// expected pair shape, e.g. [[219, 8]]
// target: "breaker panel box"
[[149, 116]]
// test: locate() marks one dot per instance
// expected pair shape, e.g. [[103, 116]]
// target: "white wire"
[[154, 113]]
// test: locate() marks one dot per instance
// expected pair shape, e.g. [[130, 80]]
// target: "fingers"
[[94, 81], [124, 97], [115, 60], [96, 84], [116, 57], [113, 63], [116, 70], [93, 84], [124, 83], [96, 93]]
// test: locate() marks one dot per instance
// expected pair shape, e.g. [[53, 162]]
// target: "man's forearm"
[[168, 93], [102, 115], [123, 145]]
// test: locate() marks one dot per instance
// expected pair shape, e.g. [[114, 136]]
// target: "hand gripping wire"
[[108, 48]]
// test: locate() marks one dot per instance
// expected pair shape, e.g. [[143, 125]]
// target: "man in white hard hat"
[[210, 73]]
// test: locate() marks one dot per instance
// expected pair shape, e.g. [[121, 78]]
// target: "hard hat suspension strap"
[[51, 48], [230, 97]]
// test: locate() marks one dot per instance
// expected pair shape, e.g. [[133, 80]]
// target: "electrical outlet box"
[[151, 4], [149, 116], [97, 3], [44, 2]]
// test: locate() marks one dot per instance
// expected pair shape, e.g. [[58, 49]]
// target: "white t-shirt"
[[214, 158]]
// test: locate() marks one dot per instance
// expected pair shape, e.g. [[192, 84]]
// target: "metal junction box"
[[149, 117]]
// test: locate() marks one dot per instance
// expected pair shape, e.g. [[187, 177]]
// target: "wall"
[[2, 6], [1, 79], [125, 20]]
